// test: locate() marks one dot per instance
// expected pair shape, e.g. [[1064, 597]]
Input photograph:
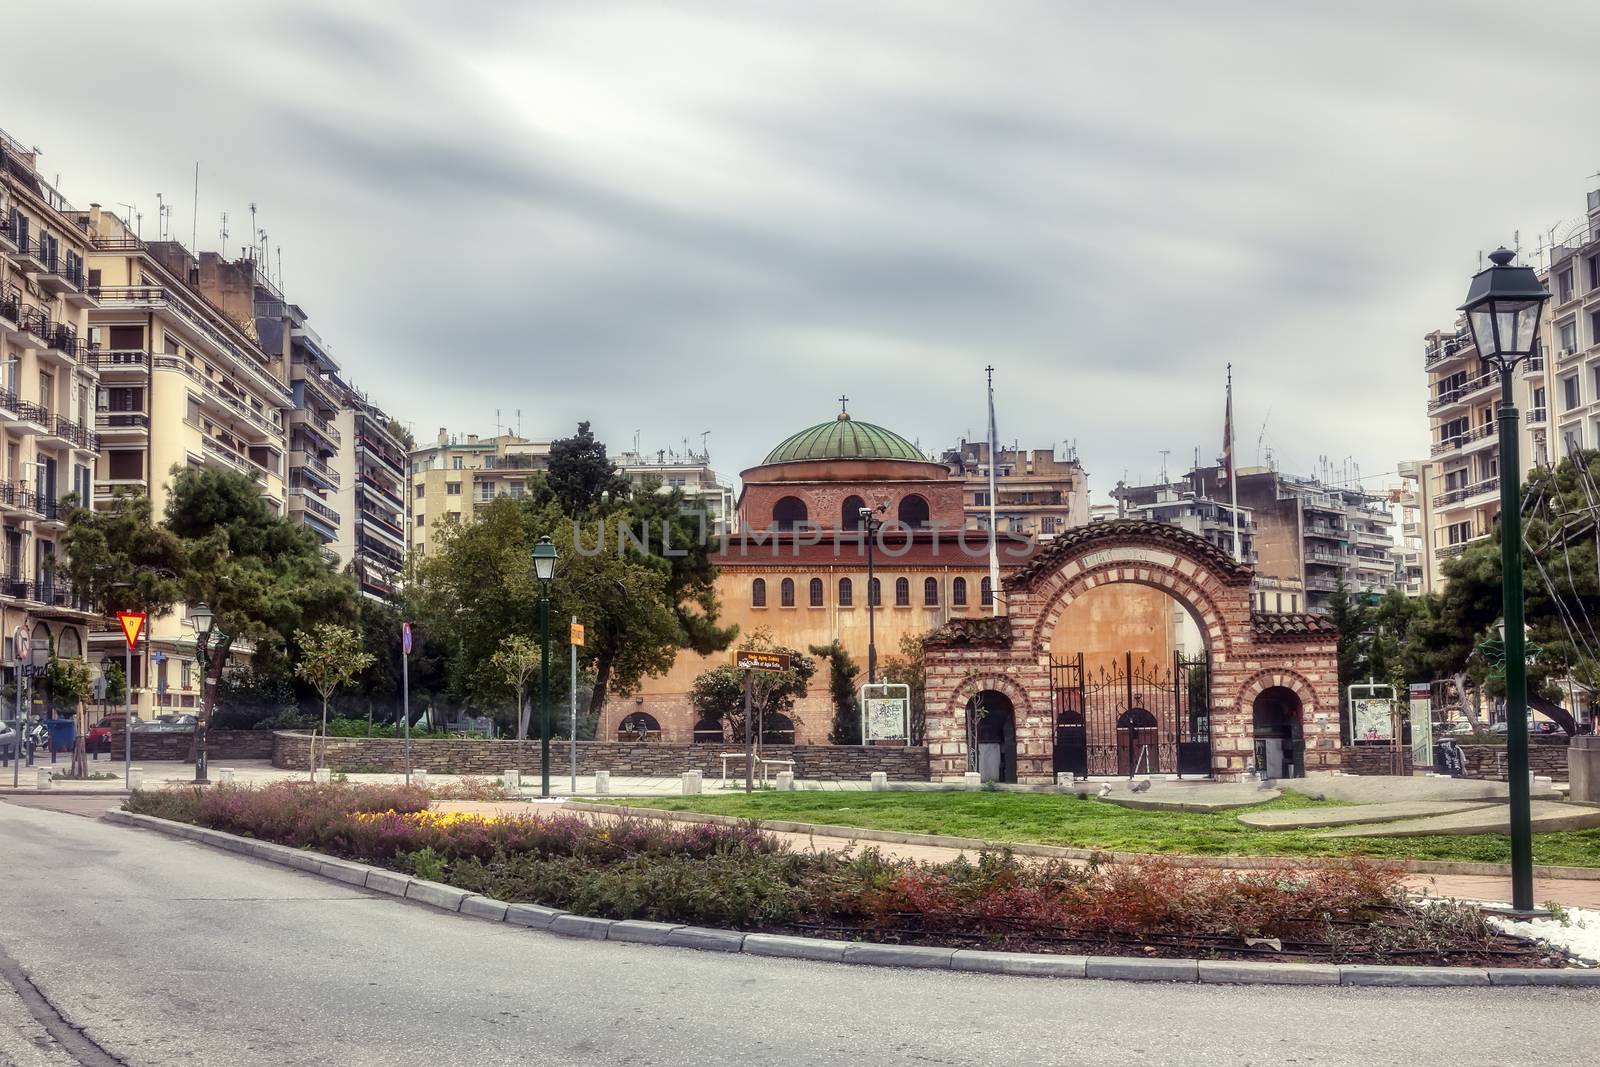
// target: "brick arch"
[[978, 681], [1276, 677], [1208, 610]]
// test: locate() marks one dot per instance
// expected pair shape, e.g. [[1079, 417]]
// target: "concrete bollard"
[[512, 780], [691, 782], [972, 780], [135, 777], [225, 775], [1583, 769], [880, 781], [785, 781], [43, 777], [602, 783], [419, 778], [322, 776]]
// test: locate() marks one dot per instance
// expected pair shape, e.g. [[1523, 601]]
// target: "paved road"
[[166, 952]]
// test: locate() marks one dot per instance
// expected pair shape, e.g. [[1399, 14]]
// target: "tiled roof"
[[1290, 624], [988, 631], [844, 438], [1078, 538]]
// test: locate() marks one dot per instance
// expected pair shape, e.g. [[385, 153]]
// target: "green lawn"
[[1057, 819]]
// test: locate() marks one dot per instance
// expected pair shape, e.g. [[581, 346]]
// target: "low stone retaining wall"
[[175, 747], [1376, 759], [292, 751], [1547, 757]]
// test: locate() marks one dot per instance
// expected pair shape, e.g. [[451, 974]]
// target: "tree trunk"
[[602, 678], [1469, 709], [522, 713], [324, 738]]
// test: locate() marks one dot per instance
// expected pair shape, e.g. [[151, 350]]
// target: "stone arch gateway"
[[1248, 651]]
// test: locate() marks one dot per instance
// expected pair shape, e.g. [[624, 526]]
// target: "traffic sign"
[[577, 634], [747, 659], [405, 637], [132, 625]]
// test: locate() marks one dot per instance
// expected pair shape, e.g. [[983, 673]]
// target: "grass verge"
[[1058, 819]]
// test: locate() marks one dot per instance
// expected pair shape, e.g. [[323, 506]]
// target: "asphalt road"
[[166, 952]]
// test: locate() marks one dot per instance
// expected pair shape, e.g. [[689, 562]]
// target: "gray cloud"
[[673, 217]]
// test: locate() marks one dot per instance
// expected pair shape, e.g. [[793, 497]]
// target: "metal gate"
[[1132, 717]]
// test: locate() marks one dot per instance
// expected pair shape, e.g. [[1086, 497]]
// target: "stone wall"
[[1546, 757], [647, 760], [1376, 759], [175, 747]]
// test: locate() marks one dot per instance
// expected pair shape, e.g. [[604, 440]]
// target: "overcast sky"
[[677, 217]]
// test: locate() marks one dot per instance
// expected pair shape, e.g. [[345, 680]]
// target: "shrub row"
[[737, 876]]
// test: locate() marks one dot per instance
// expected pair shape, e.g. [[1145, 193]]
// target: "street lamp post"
[[200, 618], [544, 568], [1503, 306], [869, 527]]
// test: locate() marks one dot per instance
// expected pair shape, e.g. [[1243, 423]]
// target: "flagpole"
[[994, 529], [1233, 479]]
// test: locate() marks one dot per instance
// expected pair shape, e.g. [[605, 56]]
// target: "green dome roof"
[[845, 438]]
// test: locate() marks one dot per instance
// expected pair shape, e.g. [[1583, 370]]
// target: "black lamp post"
[[869, 529], [201, 619], [1503, 306], [544, 568]]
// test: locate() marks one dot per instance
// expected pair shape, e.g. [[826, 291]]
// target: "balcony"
[[235, 460], [311, 466], [381, 551], [1447, 349], [307, 500], [79, 436], [1459, 441], [10, 311], [61, 275], [36, 324], [8, 229], [32, 413], [121, 423], [1467, 492], [1537, 416], [317, 426], [1533, 365], [1319, 584], [120, 362], [1323, 530], [381, 493], [16, 588], [17, 498], [396, 461], [1465, 391], [187, 311], [51, 512], [30, 254], [1453, 550], [382, 525]]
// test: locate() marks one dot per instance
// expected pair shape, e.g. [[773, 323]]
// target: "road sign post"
[[132, 623], [750, 661], [405, 690], [574, 641], [21, 649]]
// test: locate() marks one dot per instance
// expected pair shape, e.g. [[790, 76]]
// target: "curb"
[[783, 946], [1064, 852]]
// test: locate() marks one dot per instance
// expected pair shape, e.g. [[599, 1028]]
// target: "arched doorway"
[[1278, 719], [708, 731], [639, 726], [992, 735], [1138, 743]]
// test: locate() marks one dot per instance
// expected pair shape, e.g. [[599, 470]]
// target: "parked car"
[[8, 740], [99, 737], [166, 724], [1542, 726]]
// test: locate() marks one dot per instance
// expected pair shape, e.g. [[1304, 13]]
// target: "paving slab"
[[1355, 814], [1547, 815], [1392, 789], [1182, 796]]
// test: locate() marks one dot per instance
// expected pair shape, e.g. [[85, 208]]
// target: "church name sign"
[[1128, 555]]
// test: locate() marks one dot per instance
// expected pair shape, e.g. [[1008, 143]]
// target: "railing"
[[1537, 416], [121, 358], [302, 458], [121, 420], [1318, 529], [1455, 496], [383, 492], [1533, 364], [1461, 440], [1324, 585], [237, 460], [19, 496], [1462, 391], [11, 304], [28, 412], [387, 553], [50, 509], [79, 435], [35, 321], [160, 296], [17, 588], [383, 523], [1448, 348], [313, 505], [394, 460], [1319, 555]]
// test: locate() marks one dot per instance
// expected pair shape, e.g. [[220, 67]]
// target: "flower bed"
[[737, 876]]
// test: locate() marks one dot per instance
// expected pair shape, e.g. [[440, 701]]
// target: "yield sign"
[[132, 625]]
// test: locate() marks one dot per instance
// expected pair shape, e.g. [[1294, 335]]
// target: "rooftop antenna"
[[705, 449], [194, 213], [223, 232], [253, 230], [280, 268], [161, 218], [1260, 436], [497, 422], [519, 422], [1165, 452], [132, 216]]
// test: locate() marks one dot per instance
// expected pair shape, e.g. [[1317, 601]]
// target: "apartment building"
[[690, 474], [183, 383], [372, 502], [450, 478], [48, 448], [1408, 503], [1037, 492]]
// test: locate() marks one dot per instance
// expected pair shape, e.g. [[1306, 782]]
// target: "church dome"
[[844, 438]]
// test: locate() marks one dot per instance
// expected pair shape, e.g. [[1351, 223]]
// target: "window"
[[420, 488], [1571, 440], [1594, 272], [452, 488], [902, 593], [850, 513], [1571, 395], [875, 593], [846, 593], [788, 513], [758, 593], [786, 593], [986, 594], [1564, 286], [455, 463], [958, 593], [1568, 333], [1594, 327], [816, 592], [930, 592], [419, 522], [913, 512]]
